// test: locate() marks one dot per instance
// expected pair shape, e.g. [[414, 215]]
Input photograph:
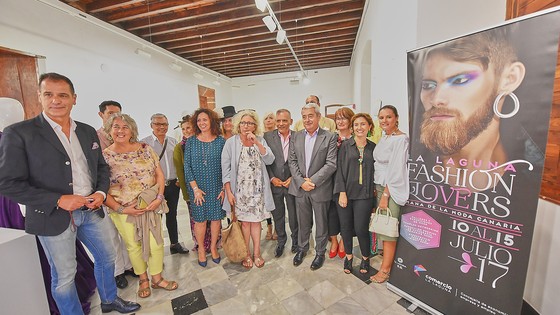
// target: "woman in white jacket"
[[246, 182]]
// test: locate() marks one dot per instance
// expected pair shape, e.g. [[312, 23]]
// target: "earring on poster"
[[515, 103]]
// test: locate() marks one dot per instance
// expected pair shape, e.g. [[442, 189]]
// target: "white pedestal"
[[22, 290]]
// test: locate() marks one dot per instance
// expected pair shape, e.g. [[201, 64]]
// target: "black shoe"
[[121, 281], [298, 258], [348, 265], [318, 262], [130, 272], [294, 249], [364, 265], [279, 251], [120, 306], [178, 249]]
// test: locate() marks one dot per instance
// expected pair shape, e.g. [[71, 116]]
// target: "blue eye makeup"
[[456, 80], [461, 79]]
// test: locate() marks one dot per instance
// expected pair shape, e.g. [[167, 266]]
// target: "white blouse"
[[391, 169]]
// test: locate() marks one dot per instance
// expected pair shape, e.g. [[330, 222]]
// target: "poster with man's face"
[[479, 108]]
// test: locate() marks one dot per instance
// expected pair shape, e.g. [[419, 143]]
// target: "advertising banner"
[[479, 107]]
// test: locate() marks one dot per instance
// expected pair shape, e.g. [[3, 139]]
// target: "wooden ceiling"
[[229, 36]]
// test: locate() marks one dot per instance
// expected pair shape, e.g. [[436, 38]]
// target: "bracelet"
[[120, 209], [385, 194], [58, 202], [195, 188], [160, 197]]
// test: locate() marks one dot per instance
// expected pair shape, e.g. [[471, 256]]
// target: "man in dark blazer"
[[280, 178], [312, 160], [54, 166]]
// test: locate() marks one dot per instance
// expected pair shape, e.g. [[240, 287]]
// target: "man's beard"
[[450, 136]]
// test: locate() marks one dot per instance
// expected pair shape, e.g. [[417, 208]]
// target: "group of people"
[[328, 174]]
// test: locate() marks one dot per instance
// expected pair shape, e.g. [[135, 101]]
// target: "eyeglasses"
[[341, 118], [160, 124], [247, 123]]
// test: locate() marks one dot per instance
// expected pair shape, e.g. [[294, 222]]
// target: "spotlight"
[[280, 36], [269, 22], [261, 4], [143, 53], [175, 67], [198, 75]]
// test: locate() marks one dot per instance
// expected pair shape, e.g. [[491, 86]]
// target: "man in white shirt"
[[164, 146]]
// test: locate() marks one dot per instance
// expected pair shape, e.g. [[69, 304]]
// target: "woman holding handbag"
[[391, 178], [246, 182], [355, 188], [135, 169]]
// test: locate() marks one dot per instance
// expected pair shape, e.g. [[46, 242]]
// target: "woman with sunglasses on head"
[[246, 181]]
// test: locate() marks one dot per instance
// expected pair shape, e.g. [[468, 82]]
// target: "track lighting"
[[143, 53]]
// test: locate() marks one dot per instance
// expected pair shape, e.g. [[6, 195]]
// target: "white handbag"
[[384, 224]]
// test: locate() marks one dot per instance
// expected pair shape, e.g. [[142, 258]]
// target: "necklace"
[[205, 152], [360, 160]]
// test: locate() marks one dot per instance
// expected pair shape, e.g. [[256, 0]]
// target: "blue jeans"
[[60, 250]]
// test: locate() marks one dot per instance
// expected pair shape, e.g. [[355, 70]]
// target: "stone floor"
[[277, 288]]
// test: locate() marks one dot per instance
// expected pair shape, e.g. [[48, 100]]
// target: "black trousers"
[[171, 194], [283, 201], [333, 219], [355, 219]]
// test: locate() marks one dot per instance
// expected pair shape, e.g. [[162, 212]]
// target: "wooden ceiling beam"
[[275, 54], [279, 64], [286, 69], [307, 34], [217, 10], [302, 34], [105, 5], [335, 56], [196, 27], [250, 48], [152, 8]]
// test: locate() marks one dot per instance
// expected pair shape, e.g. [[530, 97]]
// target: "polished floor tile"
[[277, 288]]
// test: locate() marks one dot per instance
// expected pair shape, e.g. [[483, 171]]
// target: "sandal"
[[171, 285], [248, 262], [269, 233], [144, 292], [259, 262], [348, 265], [380, 277], [364, 265]]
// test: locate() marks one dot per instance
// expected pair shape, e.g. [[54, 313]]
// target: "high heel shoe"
[[348, 265], [341, 253]]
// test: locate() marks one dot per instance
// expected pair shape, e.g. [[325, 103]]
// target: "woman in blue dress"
[[203, 173]]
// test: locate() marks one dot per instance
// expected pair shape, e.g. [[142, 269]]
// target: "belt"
[[170, 181], [84, 208]]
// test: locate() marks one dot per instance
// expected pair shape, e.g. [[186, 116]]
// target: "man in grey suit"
[[54, 166], [280, 178], [312, 160]]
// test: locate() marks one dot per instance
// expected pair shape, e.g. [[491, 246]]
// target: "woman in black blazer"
[[354, 183]]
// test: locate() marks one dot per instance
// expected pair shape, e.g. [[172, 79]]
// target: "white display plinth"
[[22, 290]]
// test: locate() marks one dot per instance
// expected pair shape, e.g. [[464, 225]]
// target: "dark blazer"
[[347, 176], [279, 168], [321, 169], [35, 171]]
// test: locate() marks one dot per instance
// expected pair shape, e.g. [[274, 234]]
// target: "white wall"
[[271, 92], [432, 21], [102, 65], [391, 31]]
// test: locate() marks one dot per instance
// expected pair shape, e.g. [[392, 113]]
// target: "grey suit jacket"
[[279, 168], [35, 171], [321, 169]]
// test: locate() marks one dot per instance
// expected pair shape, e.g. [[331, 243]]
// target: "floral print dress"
[[249, 195]]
